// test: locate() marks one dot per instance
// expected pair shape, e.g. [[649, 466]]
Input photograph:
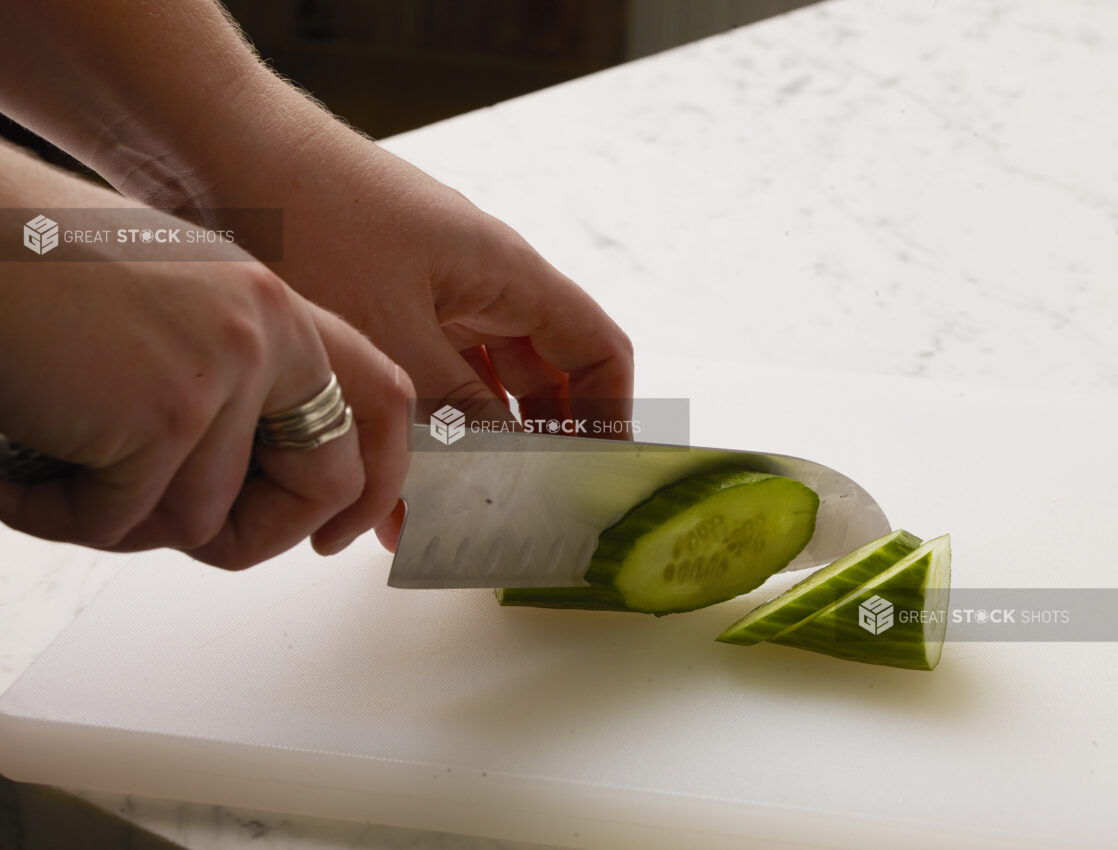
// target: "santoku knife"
[[506, 509], [525, 510]]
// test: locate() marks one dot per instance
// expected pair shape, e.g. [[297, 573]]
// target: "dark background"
[[387, 66]]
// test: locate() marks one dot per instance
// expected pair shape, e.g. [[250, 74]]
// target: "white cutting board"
[[307, 686]]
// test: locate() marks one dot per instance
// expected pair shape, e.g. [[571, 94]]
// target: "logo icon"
[[875, 615], [448, 425], [40, 234]]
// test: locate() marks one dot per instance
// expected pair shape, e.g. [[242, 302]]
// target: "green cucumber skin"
[[617, 543], [583, 598], [908, 644], [819, 590]]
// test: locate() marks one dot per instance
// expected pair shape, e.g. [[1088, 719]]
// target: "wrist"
[[185, 151]]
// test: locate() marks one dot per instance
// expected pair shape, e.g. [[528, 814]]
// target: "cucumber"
[[704, 539], [587, 598], [820, 589], [898, 618]]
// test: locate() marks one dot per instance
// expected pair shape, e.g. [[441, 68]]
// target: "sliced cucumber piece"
[[820, 589], [898, 618], [588, 598], [705, 539]]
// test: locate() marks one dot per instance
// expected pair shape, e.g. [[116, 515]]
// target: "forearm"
[[145, 94], [26, 182], [33, 297]]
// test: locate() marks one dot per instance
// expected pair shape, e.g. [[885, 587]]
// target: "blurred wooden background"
[[392, 65]]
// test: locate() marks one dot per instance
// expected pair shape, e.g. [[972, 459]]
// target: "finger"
[[539, 388], [294, 494], [478, 359], [388, 529], [198, 499], [530, 298], [442, 376], [379, 392], [92, 507]]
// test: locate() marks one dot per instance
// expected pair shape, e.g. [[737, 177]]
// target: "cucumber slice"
[[820, 589], [588, 598], [705, 539], [898, 618]]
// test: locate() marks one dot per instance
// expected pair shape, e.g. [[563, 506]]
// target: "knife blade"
[[506, 509]]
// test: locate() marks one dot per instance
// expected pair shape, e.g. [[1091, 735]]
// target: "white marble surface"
[[925, 188]]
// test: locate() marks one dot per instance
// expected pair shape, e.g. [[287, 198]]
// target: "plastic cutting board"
[[306, 686]]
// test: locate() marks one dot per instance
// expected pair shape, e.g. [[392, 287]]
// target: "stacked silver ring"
[[309, 425]]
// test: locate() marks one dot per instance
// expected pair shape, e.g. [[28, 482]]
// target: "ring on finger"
[[323, 418]]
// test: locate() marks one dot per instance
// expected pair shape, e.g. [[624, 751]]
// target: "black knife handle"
[[27, 466]]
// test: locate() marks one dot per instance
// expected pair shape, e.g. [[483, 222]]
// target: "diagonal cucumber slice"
[[820, 589], [898, 618]]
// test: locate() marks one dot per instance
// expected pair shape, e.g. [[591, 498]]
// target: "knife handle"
[[27, 466]]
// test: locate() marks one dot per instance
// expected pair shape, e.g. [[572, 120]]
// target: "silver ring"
[[308, 425]]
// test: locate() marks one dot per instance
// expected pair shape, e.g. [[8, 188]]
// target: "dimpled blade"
[[525, 510]]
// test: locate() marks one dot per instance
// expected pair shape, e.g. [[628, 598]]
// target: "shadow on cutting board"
[[637, 666], [35, 817]]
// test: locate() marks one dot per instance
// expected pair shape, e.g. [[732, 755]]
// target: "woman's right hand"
[[152, 375]]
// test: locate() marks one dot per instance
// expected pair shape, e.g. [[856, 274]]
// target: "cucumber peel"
[[699, 541], [587, 598], [821, 588], [722, 533], [898, 618]]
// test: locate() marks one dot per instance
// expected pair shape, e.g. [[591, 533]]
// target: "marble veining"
[[923, 189], [920, 189]]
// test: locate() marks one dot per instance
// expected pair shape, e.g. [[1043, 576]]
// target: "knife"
[[512, 509]]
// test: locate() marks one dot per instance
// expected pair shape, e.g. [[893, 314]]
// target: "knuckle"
[[233, 560], [266, 313], [472, 398], [227, 553], [623, 345], [104, 537], [195, 530], [267, 291], [243, 339], [183, 411]]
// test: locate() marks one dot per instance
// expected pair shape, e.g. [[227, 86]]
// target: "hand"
[[456, 297], [464, 304], [152, 376]]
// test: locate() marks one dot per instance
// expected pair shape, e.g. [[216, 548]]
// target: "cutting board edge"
[[534, 809]]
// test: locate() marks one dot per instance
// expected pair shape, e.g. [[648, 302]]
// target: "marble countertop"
[[926, 189]]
